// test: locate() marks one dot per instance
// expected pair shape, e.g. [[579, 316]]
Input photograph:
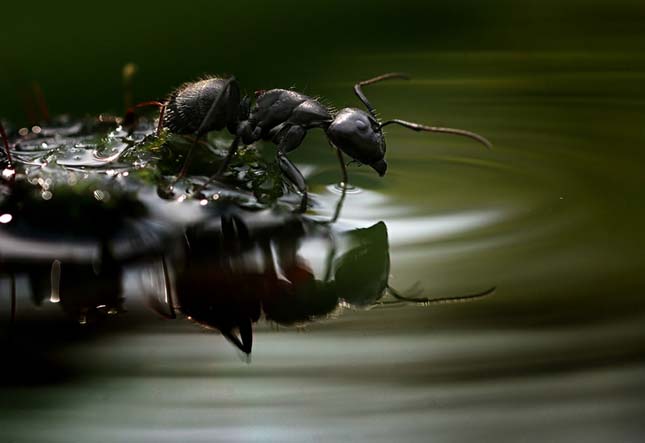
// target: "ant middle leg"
[[245, 110], [343, 185], [231, 153], [287, 142]]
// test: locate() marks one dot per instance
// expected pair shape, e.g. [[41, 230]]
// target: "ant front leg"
[[343, 184], [291, 139]]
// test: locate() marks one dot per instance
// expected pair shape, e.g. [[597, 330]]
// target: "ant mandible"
[[283, 117]]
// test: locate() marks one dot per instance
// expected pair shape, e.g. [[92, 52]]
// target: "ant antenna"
[[419, 127], [6, 146], [439, 300], [361, 96]]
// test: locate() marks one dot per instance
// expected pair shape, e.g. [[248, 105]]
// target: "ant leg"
[[231, 153], [130, 115], [291, 139], [206, 122], [294, 175], [343, 185]]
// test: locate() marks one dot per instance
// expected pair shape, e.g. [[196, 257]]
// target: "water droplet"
[[6, 218], [99, 195], [36, 129], [23, 132], [47, 195], [55, 281], [203, 202], [8, 173]]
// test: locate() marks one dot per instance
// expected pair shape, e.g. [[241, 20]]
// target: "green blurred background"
[[553, 216], [75, 49]]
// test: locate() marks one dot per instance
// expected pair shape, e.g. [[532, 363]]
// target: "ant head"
[[358, 134]]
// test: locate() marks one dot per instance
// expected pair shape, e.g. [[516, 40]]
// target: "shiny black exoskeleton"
[[284, 117], [203, 106]]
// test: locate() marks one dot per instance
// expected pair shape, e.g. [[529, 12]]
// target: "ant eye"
[[361, 125]]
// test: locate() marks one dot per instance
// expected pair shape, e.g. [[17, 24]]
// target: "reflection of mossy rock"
[[89, 208]]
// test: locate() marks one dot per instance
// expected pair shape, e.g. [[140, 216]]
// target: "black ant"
[[282, 117]]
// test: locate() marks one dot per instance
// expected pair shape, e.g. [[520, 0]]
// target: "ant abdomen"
[[207, 105]]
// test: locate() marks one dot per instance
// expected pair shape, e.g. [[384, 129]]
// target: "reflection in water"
[[223, 271], [553, 215], [234, 267], [220, 256]]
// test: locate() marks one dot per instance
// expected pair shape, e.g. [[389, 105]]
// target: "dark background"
[[75, 50]]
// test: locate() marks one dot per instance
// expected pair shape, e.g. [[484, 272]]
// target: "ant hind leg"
[[206, 122], [130, 115]]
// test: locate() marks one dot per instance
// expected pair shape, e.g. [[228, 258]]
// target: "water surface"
[[552, 216]]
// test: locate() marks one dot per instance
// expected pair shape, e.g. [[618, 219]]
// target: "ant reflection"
[[224, 270], [233, 268]]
